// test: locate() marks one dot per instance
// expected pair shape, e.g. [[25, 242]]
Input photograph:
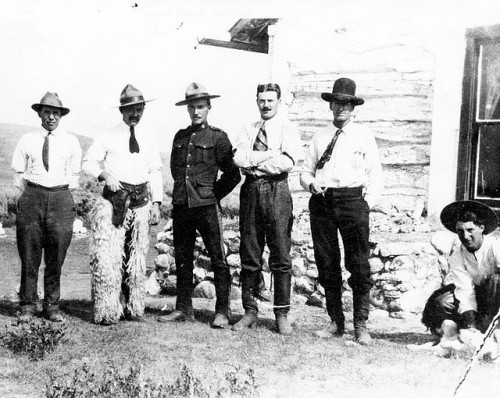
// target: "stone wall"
[[408, 262], [393, 67]]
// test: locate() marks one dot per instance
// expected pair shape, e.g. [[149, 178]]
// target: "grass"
[[298, 366]]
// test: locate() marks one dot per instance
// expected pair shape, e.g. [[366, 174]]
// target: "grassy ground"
[[297, 366]]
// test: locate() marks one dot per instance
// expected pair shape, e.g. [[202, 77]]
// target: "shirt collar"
[[44, 132]]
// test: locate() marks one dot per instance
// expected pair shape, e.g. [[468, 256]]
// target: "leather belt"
[[270, 178], [53, 188], [356, 192]]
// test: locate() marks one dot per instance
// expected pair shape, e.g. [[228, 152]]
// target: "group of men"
[[341, 170]]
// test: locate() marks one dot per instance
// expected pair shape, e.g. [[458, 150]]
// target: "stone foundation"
[[408, 262]]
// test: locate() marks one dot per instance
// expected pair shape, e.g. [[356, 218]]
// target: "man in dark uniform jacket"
[[198, 153]]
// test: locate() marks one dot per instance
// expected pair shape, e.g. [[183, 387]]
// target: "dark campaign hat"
[[452, 212], [344, 89], [131, 96], [196, 91], [52, 100]]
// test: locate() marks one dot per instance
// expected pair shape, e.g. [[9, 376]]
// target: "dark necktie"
[[260, 143], [45, 152], [133, 145], [328, 152]]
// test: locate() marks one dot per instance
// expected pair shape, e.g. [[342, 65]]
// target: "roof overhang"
[[246, 35]]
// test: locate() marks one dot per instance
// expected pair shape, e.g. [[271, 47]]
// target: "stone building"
[[429, 74]]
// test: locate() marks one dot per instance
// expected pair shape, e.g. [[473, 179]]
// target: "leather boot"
[[361, 304], [333, 296], [222, 282], [249, 320], [249, 290], [282, 292]]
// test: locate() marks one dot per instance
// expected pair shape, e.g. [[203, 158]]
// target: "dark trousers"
[[44, 224], [207, 221], [345, 211], [266, 217]]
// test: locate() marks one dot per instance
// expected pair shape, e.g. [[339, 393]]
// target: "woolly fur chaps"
[[107, 254]]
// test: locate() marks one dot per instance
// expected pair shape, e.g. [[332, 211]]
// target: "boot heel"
[[254, 325]]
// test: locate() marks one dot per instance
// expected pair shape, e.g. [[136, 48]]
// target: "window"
[[479, 147]]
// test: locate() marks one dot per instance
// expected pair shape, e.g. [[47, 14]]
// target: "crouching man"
[[471, 297]]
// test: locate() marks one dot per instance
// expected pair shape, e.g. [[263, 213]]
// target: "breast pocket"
[[179, 153], [204, 152], [358, 160]]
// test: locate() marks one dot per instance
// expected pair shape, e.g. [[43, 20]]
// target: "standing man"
[[46, 163], [199, 152], [342, 171], [266, 152], [127, 159], [471, 297]]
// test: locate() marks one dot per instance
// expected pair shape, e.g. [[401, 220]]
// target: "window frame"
[[470, 123]]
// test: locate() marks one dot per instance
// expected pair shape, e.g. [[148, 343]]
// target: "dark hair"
[[269, 87], [467, 216]]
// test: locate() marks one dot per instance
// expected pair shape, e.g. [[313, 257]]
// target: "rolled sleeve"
[[464, 286], [308, 172], [91, 164]]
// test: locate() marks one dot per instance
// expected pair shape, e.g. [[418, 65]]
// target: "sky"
[[87, 51]]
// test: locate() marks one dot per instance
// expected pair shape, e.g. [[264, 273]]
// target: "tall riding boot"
[[222, 282], [249, 290], [282, 292], [361, 302], [333, 296]]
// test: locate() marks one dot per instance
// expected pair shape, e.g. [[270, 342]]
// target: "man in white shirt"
[[471, 297], [127, 159], [266, 152], [342, 171], [46, 165]]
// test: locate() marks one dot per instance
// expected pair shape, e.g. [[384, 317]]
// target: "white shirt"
[[354, 162], [282, 137], [65, 156], [470, 269], [112, 150]]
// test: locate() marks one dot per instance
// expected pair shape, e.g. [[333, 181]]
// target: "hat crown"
[[130, 95], [51, 99], [344, 86], [196, 90]]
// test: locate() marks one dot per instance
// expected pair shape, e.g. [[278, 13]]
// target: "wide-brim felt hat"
[[131, 96], [451, 213], [52, 100], [344, 90], [194, 92]]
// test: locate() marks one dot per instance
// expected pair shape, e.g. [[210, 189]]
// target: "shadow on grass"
[[405, 337], [9, 308]]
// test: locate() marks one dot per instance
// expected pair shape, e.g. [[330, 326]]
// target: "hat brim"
[[451, 212], [329, 97], [194, 98], [133, 103], [38, 107]]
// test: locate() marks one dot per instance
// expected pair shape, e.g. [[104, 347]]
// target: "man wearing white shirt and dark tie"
[[46, 163], [342, 171], [127, 159], [266, 152]]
